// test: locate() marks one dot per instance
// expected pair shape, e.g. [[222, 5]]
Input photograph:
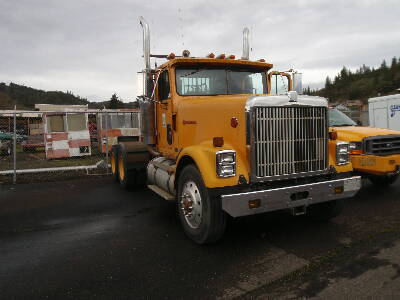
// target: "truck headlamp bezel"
[[226, 163], [342, 153]]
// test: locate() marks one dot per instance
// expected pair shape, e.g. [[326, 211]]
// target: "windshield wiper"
[[191, 73], [342, 125]]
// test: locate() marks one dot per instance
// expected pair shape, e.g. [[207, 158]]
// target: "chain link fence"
[[54, 145]]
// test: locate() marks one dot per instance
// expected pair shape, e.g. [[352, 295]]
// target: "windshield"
[[337, 118], [279, 84], [219, 81]]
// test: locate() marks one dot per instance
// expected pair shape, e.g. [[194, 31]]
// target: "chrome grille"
[[382, 145], [289, 140]]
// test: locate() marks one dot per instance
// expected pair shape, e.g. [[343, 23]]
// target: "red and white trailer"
[[113, 124], [66, 134]]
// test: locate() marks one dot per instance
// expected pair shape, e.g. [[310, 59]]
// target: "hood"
[[283, 100], [358, 133]]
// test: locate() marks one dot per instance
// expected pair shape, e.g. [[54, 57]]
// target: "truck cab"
[[214, 141]]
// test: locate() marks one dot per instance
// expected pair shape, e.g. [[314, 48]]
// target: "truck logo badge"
[[187, 122], [389, 145], [393, 109]]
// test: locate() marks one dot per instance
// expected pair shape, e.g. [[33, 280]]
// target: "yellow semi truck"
[[214, 141]]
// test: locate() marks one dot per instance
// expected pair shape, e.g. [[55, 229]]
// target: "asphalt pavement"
[[90, 239]]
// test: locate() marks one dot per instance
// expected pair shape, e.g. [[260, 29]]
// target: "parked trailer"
[[384, 112], [117, 124]]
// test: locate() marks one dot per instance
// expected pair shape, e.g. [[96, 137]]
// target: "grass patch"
[[35, 160]]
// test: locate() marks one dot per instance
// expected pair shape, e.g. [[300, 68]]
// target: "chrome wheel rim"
[[191, 204]]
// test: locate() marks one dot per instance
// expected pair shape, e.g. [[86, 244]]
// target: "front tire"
[[382, 181], [201, 215], [325, 211]]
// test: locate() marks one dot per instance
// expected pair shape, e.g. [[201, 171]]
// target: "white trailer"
[[384, 112]]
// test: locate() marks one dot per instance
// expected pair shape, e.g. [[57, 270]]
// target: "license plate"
[[367, 161], [352, 185]]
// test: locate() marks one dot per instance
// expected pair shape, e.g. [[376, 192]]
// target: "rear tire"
[[382, 181], [201, 215], [325, 211], [114, 163], [130, 177]]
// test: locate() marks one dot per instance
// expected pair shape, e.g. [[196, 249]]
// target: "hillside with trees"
[[364, 83], [25, 98]]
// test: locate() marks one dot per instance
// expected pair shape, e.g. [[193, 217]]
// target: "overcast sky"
[[93, 48]]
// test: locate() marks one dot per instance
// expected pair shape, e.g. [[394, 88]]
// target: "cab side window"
[[163, 86]]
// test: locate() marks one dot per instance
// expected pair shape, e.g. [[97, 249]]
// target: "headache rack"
[[382, 145], [288, 142]]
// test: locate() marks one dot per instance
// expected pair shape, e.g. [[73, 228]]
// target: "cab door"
[[166, 139]]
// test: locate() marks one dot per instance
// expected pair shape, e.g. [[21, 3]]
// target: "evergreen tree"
[[384, 65], [115, 103], [328, 82], [394, 63]]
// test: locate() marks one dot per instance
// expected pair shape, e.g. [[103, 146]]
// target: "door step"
[[162, 193]]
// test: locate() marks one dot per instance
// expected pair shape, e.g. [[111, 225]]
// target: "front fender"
[[204, 155]]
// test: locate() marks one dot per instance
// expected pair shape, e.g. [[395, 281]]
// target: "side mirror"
[[298, 83]]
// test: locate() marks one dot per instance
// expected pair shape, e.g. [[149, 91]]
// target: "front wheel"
[[383, 181], [326, 210], [201, 215]]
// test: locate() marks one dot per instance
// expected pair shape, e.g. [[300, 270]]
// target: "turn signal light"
[[171, 56], [234, 122], [356, 152], [332, 135], [254, 203], [231, 56], [339, 189], [221, 56], [218, 141], [211, 55], [261, 60], [356, 147]]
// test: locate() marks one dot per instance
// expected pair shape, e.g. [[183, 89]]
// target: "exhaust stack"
[[246, 47], [146, 42]]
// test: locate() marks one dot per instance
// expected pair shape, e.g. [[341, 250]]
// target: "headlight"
[[342, 153], [226, 163], [356, 148]]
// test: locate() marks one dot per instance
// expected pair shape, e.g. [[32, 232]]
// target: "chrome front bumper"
[[237, 205]]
